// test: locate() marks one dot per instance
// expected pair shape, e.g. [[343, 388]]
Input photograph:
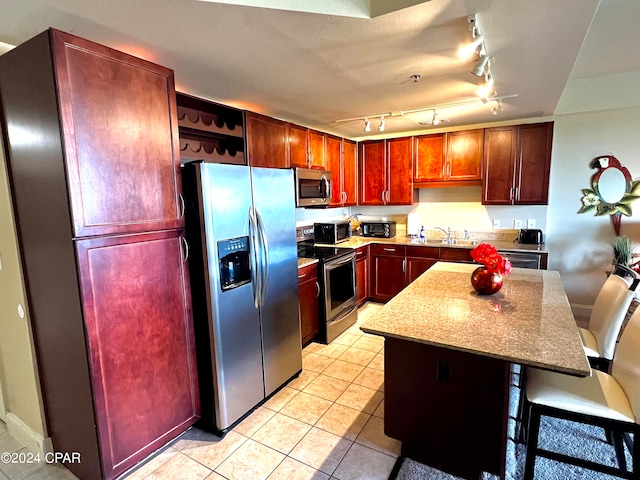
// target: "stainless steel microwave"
[[313, 187]]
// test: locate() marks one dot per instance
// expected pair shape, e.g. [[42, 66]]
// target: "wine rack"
[[209, 131]]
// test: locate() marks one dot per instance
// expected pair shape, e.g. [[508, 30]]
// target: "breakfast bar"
[[448, 358]]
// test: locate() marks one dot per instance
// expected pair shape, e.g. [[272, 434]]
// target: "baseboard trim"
[[33, 441]]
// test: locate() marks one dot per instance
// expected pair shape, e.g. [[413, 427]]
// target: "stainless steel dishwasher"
[[523, 259]]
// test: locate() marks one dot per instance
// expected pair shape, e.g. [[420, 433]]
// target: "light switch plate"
[[496, 224], [517, 224], [531, 223]]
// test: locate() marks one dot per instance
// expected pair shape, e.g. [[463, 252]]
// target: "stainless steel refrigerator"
[[243, 266]]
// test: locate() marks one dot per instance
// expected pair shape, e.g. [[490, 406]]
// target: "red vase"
[[485, 282]]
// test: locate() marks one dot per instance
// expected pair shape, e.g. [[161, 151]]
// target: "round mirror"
[[612, 185]]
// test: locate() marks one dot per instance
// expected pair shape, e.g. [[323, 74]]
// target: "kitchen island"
[[448, 359]]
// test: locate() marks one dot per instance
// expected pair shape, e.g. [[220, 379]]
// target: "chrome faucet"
[[449, 240]]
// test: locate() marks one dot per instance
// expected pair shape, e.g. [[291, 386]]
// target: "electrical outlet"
[[496, 224], [531, 223], [517, 224]]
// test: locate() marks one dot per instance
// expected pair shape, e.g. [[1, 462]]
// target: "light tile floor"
[[326, 424]]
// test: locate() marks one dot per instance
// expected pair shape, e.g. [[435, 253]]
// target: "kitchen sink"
[[440, 241]]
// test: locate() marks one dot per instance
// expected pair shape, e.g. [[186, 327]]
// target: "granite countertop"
[[503, 246], [529, 321], [303, 262]]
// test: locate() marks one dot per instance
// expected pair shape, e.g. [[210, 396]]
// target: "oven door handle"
[[332, 264]]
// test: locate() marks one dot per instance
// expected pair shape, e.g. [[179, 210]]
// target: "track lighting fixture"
[[435, 119], [480, 67], [498, 108], [486, 89]]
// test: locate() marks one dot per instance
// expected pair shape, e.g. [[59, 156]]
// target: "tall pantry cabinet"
[[92, 148]]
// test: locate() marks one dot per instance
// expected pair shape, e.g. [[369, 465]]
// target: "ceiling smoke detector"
[[415, 77]]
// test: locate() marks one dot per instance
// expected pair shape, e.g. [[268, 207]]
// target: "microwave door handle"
[[264, 267], [325, 187], [253, 258]]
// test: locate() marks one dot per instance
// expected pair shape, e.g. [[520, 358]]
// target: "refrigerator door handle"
[[255, 274], [264, 267]]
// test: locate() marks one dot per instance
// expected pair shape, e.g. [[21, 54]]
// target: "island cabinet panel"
[[266, 141], [309, 292], [141, 323], [430, 156], [298, 145], [362, 273], [100, 232], [462, 396], [517, 161], [119, 123], [388, 271]]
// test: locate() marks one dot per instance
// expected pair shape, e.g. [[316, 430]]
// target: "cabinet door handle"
[[359, 253], [383, 192], [186, 248], [404, 265], [389, 249], [317, 289], [388, 196], [182, 206], [302, 276]]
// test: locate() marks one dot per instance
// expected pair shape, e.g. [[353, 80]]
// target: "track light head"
[[381, 127], [481, 65], [367, 125]]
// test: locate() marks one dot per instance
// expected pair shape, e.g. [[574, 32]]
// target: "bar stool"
[[611, 401], [607, 317]]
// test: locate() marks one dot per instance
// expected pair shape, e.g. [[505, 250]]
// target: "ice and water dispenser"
[[234, 262]]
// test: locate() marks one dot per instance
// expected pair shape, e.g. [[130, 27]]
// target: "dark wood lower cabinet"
[[135, 293], [362, 273], [388, 267], [309, 292]]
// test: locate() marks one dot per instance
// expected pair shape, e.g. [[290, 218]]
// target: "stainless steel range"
[[337, 280]]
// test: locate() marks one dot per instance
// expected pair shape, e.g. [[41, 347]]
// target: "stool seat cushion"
[[599, 395]]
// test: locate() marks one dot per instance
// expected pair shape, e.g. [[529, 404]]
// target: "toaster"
[[531, 236]]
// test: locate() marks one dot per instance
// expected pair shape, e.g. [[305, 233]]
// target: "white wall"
[[578, 243]]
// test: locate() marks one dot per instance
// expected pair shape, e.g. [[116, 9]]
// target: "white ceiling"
[[356, 61]]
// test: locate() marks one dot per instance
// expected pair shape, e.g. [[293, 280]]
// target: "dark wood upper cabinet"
[[372, 179], [341, 161], [385, 173], [448, 159], [350, 172], [430, 156], [316, 150], [306, 147], [298, 144], [400, 189], [517, 161], [464, 155], [266, 141], [119, 122]]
